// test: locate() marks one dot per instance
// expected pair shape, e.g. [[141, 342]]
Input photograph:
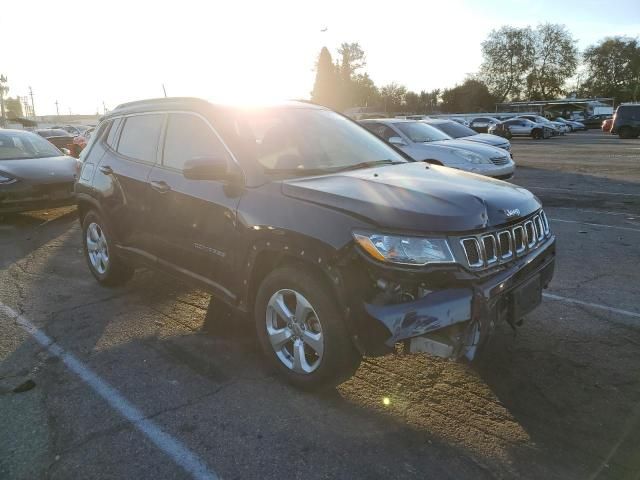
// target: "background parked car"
[[555, 127], [482, 124], [458, 131], [60, 138], [595, 121], [81, 141], [34, 174], [626, 121], [423, 142], [573, 125], [74, 130], [606, 125], [527, 128]]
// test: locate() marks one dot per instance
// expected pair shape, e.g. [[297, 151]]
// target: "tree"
[[472, 96], [508, 54], [13, 107], [392, 97], [325, 89], [352, 85], [352, 59], [412, 103], [555, 60], [613, 69], [363, 92]]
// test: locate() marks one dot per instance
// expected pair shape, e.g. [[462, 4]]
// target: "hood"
[[416, 197], [486, 138], [41, 170], [487, 151]]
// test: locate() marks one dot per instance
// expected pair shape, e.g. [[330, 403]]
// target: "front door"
[[193, 221]]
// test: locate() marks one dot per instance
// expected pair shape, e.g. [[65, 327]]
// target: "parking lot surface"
[[148, 381]]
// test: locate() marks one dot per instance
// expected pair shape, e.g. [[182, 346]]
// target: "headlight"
[[5, 179], [404, 250], [470, 157]]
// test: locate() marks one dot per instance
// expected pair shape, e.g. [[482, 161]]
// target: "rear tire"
[[626, 132], [301, 329], [99, 250]]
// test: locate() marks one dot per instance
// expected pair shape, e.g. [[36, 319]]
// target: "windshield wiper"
[[368, 164]]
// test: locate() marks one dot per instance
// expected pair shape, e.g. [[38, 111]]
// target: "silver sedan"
[[423, 142]]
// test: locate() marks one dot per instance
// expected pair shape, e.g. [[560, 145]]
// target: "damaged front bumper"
[[456, 322]]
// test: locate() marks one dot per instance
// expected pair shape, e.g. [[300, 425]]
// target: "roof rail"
[[137, 103]]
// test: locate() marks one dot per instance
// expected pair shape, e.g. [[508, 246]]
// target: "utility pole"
[[164, 90], [33, 108], [3, 80], [57, 110], [104, 108]]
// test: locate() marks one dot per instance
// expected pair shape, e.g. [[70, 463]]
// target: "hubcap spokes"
[[294, 331], [97, 248]]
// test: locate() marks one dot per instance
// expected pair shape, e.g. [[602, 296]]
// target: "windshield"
[[21, 145], [454, 129], [421, 132], [305, 141]]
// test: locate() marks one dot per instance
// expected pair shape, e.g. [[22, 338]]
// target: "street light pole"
[[3, 80], [33, 108]]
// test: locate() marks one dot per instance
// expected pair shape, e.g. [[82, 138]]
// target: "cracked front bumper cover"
[[480, 306]]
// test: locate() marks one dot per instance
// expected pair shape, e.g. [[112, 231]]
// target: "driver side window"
[[189, 136]]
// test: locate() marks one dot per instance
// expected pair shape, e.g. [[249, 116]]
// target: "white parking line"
[[551, 296], [179, 453], [596, 224], [580, 191]]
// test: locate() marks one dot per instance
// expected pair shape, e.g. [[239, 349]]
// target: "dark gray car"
[[461, 132], [34, 174]]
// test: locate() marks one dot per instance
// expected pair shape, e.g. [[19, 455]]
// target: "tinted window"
[[188, 136], [381, 130], [454, 129], [113, 130], [421, 132], [139, 137]]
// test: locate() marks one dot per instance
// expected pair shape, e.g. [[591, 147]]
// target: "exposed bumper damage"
[[456, 322]]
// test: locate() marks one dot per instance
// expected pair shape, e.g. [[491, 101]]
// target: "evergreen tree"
[[325, 89]]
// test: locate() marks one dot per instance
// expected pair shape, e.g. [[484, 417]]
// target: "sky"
[[87, 54]]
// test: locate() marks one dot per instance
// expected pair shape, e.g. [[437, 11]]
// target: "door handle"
[[160, 186], [106, 169]]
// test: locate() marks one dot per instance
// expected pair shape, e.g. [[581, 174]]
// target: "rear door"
[[132, 150], [193, 221]]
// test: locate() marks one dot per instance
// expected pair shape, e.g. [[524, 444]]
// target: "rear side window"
[[189, 136], [139, 137], [628, 113], [111, 139]]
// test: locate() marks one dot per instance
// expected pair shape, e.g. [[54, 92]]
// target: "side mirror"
[[207, 168], [397, 141]]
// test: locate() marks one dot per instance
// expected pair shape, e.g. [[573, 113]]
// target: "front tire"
[[99, 251], [301, 330]]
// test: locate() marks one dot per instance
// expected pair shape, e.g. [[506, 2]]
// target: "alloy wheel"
[[97, 248], [294, 331]]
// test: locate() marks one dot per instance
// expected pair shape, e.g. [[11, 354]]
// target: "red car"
[[606, 125]]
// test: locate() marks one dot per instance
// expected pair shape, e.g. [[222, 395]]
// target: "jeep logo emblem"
[[514, 212]]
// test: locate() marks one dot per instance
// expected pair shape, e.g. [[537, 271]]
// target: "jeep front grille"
[[502, 245]]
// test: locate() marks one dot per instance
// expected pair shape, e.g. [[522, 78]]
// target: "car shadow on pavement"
[[23, 233]]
